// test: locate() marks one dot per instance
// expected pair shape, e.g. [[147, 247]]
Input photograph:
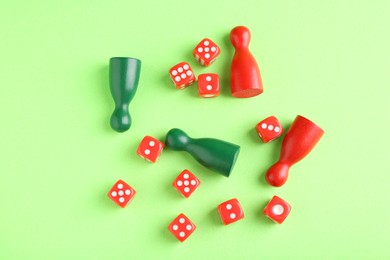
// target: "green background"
[[326, 60]]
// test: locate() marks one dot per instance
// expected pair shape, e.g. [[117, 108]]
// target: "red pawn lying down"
[[300, 139]]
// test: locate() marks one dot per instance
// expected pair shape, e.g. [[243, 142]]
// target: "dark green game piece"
[[124, 77], [214, 154]]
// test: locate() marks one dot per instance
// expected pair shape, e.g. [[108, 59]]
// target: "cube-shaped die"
[[269, 129], [181, 227], [121, 193], [150, 148], [186, 183], [206, 52], [182, 75], [277, 210], [208, 85], [230, 211]]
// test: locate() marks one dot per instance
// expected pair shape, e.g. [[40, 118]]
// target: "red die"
[[269, 129], [121, 193], [230, 211], [181, 227], [208, 85], [206, 52], [186, 183], [182, 75], [150, 148], [277, 210]]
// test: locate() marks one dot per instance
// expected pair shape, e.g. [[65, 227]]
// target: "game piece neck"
[[240, 37]]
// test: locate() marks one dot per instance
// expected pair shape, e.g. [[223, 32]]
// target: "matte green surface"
[[327, 60], [217, 155], [124, 78]]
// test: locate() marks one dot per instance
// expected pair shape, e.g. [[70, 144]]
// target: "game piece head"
[[177, 139], [277, 174], [240, 37], [120, 119]]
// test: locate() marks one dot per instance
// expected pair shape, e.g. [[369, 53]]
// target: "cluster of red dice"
[[182, 74], [186, 183], [246, 82]]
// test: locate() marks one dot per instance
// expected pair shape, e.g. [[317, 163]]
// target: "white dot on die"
[[186, 67], [177, 78], [121, 200], [229, 206], [182, 234], [152, 143], [207, 55], [209, 87], [189, 73], [175, 227], [180, 69], [120, 186], [213, 49], [208, 78], [113, 193], [186, 183], [188, 227], [186, 189], [264, 125], [206, 43], [270, 127], [120, 193], [186, 176], [193, 182], [206, 49], [174, 72], [232, 216], [182, 220], [147, 151], [277, 129], [200, 49], [179, 183], [183, 75], [127, 192], [278, 209]]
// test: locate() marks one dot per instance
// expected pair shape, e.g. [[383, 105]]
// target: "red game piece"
[[150, 148], [269, 129], [181, 227], [277, 210], [121, 193], [245, 79], [186, 183], [206, 52], [230, 211], [300, 139], [208, 85], [182, 75]]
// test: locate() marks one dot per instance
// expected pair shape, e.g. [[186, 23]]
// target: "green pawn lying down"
[[214, 154]]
